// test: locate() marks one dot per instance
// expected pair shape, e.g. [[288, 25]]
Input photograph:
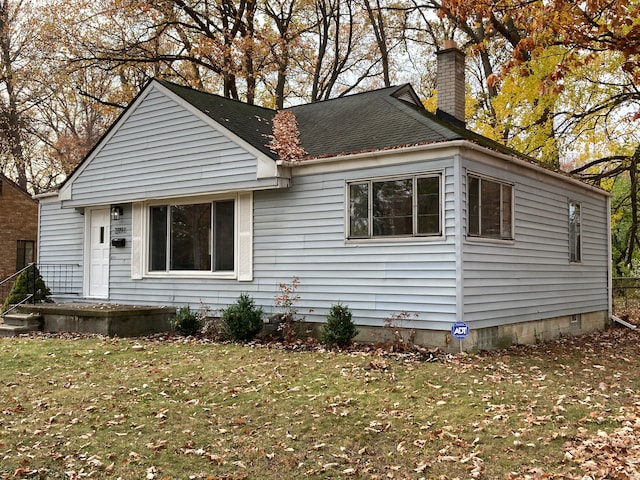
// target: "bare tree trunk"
[[633, 192], [281, 52], [249, 69], [379, 30], [10, 119]]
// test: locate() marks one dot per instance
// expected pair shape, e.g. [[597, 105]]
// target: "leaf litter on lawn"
[[75, 406]]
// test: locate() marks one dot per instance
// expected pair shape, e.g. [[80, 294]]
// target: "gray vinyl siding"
[[163, 150], [60, 249], [376, 279], [531, 278], [301, 232]]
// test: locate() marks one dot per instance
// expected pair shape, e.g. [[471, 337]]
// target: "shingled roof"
[[375, 120]]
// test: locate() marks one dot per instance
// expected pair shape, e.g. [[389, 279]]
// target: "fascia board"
[[431, 151], [478, 153], [47, 197], [378, 158]]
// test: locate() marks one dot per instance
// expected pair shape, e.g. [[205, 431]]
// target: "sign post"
[[460, 330]]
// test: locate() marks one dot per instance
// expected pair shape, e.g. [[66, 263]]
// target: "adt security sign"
[[460, 330]]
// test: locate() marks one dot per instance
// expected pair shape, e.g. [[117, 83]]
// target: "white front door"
[[98, 248]]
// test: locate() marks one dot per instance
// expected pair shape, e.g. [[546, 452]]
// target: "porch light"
[[116, 213]]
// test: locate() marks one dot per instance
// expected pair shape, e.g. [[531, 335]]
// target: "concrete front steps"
[[17, 323]]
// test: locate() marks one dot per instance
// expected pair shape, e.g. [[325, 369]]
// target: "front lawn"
[[177, 409]]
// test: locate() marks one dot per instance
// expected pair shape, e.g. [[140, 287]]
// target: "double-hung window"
[[490, 208], [196, 237], [575, 234], [395, 207]]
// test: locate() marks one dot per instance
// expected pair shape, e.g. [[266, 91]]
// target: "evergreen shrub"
[[241, 321], [187, 322], [339, 330]]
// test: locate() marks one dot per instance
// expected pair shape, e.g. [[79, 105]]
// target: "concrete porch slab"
[[103, 318]]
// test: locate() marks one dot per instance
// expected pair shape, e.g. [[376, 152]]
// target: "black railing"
[[60, 277]]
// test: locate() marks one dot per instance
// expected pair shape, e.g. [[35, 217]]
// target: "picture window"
[[192, 237]]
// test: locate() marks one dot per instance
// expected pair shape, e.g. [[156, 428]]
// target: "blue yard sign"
[[460, 330]]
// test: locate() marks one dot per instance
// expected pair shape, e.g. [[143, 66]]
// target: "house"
[[402, 215], [18, 229]]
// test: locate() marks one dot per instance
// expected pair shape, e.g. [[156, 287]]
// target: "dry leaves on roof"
[[285, 140]]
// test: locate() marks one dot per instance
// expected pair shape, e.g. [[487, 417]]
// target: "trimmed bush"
[[23, 287], [187, 322], [339, 330], [241, 321]]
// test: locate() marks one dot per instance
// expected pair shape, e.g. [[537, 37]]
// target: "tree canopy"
[[557, 80]]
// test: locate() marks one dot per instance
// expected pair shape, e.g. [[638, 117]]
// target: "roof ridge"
[[351, 95], [171, 85]]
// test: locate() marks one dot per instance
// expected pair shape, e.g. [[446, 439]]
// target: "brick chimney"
[[451, 82]]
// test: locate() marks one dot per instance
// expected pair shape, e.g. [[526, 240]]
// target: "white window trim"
[[138, 235], [398, 239], [243, 237], [478, 238]]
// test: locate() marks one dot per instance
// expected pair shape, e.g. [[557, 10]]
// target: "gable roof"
[[374, 120], [382, 119]]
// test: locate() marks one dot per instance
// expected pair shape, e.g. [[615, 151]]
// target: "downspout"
[[610, 314], [622, 322]]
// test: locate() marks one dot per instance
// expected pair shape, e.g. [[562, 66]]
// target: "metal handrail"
[[16, 305], [59, 277], [28, 297], [11, 277]]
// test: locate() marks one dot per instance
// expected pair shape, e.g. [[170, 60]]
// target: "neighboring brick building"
[[18, 227]]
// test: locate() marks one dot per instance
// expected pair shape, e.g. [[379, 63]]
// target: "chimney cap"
[[450, 43]]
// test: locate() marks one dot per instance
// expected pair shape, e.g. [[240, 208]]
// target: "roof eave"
[[456, 144]]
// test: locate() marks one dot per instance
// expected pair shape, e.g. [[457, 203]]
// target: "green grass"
[[109, 408]]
